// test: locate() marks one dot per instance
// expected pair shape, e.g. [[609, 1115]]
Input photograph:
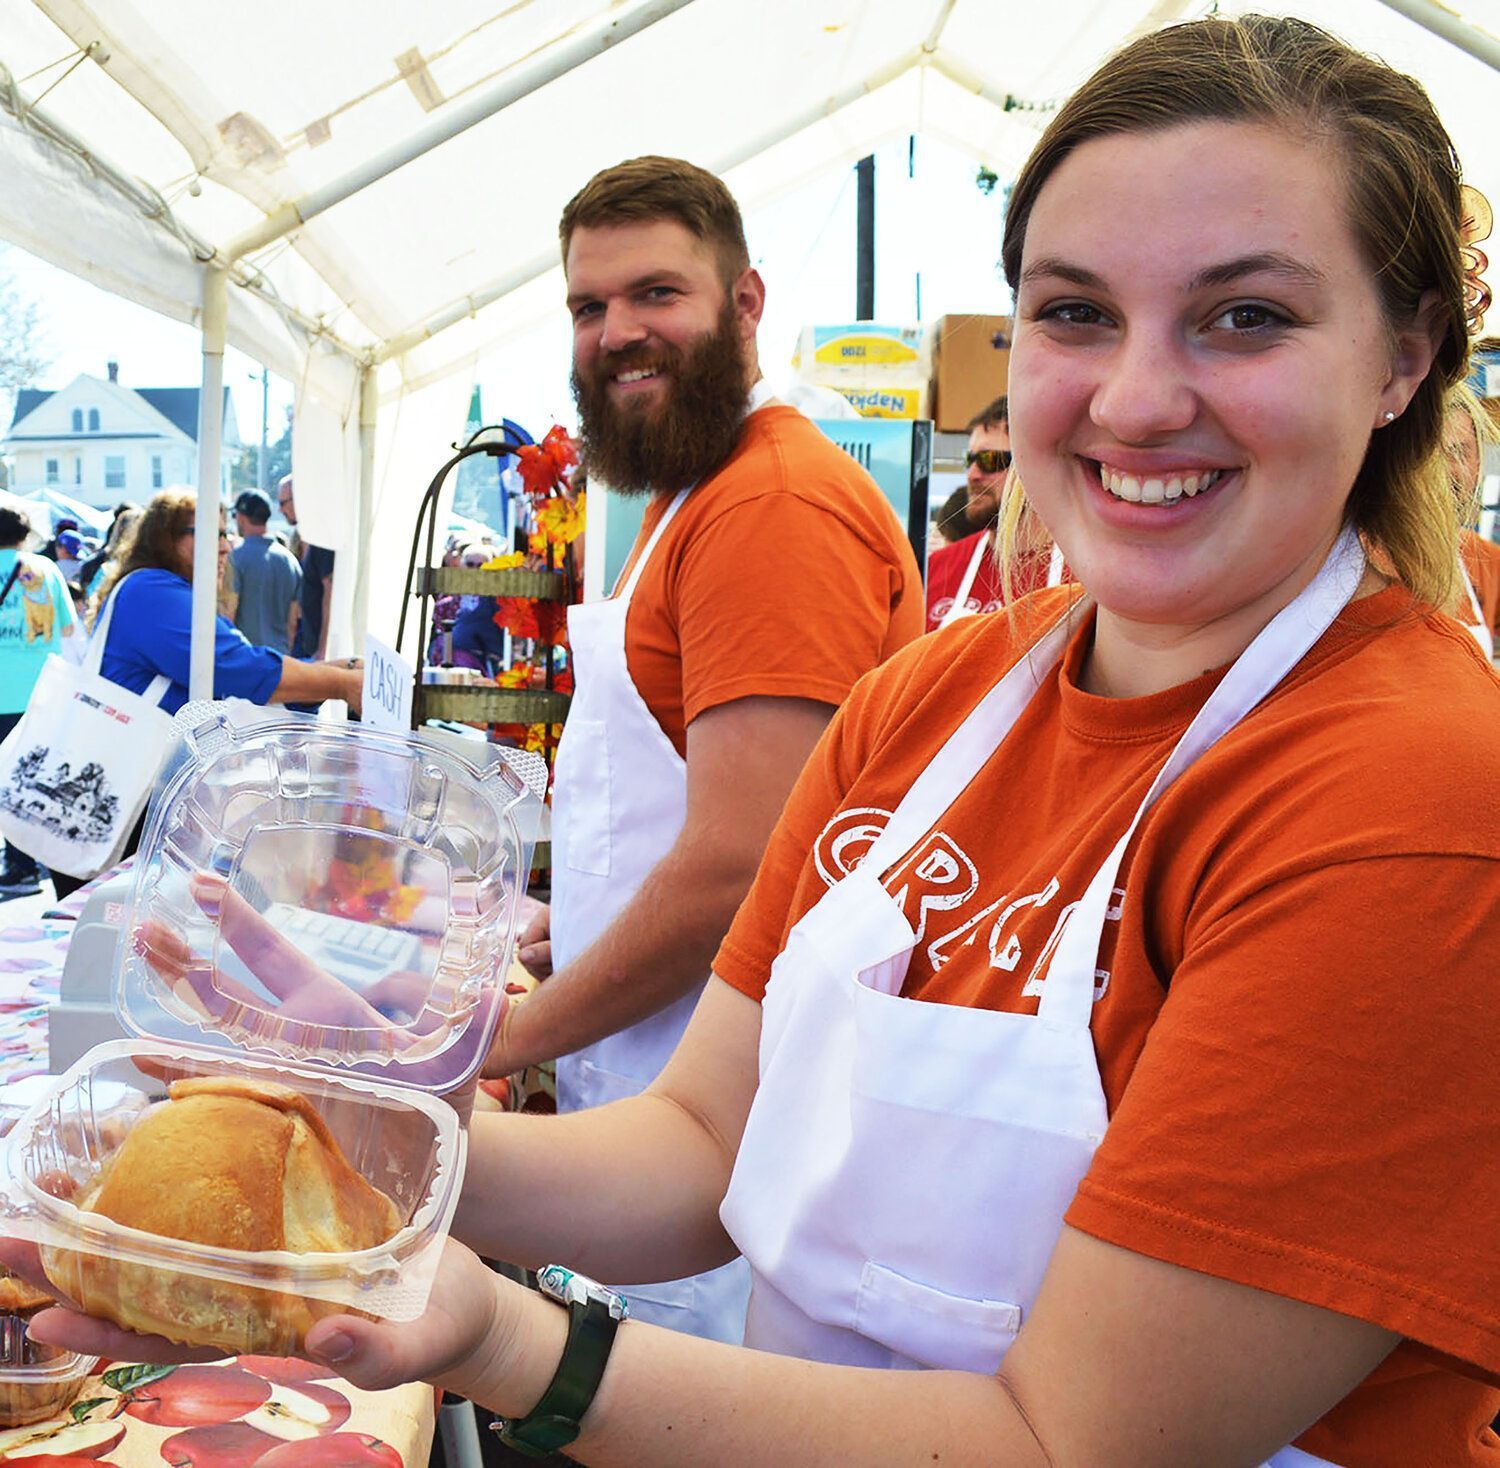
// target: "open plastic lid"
[[331, 895]]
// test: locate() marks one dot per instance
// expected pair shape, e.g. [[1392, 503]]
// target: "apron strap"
[[625, 592], [968, 750], [960, 606], [1068, 992]]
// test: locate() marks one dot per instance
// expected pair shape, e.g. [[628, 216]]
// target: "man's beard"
[[664, 448]]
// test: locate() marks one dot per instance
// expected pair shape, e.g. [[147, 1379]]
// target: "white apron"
[[1479, 627], [960, 607], [618, 804], [906, 1165]]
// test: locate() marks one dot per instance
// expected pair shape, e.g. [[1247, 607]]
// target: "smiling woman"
[[1110, 1026]]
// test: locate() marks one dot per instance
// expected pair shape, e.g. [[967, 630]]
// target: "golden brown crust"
[[235, 1164], [17, 1296]]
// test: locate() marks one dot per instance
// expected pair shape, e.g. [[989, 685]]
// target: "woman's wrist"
[[512, 1362]]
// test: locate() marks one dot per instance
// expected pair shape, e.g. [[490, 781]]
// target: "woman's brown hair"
[[1402, 177], [151, 544]]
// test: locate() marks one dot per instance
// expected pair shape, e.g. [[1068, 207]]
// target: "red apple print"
[[51, 1460], [191, 1396], [285, 1370], [342, 1450], [224, 1445]]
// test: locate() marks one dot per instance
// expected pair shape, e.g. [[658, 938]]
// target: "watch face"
[[568, 1287]]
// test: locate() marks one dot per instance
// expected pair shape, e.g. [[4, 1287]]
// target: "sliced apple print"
[[89, 1440], [296, 1413]]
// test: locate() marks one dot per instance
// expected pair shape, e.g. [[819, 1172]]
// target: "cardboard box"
[[885, 400], [971, 367]]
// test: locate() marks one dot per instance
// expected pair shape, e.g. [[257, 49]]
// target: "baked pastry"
[[17, 1297], [234, 1164]]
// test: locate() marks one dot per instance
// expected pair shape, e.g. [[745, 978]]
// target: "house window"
[[77, 420], [53, 476], [77, 470], [155, 471], [93, 420], [114, 471]]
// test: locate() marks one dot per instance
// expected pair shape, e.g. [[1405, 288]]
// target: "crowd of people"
[[1065, 1038], [136, 590]]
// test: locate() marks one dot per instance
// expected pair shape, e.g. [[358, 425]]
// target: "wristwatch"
[[594, 1314]]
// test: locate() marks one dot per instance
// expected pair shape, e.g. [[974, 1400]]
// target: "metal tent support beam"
[[369, 409], [1452, 28], [208, 510], [556, 61]]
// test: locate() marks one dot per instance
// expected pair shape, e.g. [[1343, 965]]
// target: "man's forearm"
[[660, 945]]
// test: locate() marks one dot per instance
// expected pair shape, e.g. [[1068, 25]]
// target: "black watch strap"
[[554, 1422]]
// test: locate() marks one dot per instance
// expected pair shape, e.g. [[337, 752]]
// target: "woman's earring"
[[1388, 416]]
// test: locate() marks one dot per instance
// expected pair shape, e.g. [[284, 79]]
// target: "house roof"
[[178, 405], [27, 400]]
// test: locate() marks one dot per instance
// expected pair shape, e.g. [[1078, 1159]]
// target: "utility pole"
[[263, 463], [864, 232]]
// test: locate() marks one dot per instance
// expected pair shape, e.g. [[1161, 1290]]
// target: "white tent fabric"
[[139, 136]]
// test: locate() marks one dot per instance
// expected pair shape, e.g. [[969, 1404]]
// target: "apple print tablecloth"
[[247, 1412]]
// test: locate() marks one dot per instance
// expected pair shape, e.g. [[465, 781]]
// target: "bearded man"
[[769, 575]]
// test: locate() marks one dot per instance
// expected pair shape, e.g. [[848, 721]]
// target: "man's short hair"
[[652, 188], [15, 525], [994, 415], [254, 506]]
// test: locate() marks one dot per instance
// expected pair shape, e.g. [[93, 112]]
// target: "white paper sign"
[[388, 687]]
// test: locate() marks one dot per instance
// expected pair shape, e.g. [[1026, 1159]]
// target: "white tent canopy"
[[152, 145]]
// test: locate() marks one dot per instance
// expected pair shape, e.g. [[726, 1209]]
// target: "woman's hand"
[[479, 1329], [65, 1324]]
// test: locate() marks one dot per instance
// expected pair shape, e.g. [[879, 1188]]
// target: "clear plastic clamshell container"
[[323, 914], [36, 1381]]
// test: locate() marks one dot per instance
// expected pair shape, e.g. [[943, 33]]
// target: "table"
[[251, 1412], [254, 1412]]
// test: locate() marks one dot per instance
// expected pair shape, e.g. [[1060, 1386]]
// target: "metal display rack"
[[482, 706]]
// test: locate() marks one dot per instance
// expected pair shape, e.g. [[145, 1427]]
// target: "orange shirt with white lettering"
[[786, 573], [1298, 1033]]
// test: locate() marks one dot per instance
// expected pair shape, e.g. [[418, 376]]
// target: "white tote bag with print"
[[77, 770]]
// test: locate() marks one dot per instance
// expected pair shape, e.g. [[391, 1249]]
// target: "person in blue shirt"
[[36, 620], [150, 629]]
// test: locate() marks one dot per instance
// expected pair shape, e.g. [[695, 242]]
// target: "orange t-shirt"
[[1481, 560], [1298, 1032], [785, 573]]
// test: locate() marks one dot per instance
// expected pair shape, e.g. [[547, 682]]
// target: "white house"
[[100, 442]]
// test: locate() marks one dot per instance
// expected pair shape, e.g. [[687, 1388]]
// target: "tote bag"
[[77, 770]]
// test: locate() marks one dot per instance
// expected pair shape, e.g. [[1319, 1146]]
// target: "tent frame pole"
[[1452, 28], [206, 515], [556, 61], [369, 413]]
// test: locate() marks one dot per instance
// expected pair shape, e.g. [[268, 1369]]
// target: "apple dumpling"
[[233, 1164]]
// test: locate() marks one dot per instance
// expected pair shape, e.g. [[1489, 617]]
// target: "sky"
[[937, 238]]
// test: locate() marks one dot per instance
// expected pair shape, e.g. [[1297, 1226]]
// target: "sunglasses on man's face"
[[990, 461]]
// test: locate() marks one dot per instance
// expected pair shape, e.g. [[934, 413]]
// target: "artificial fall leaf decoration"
[[511, 561], [544, 466], [560, 521]]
